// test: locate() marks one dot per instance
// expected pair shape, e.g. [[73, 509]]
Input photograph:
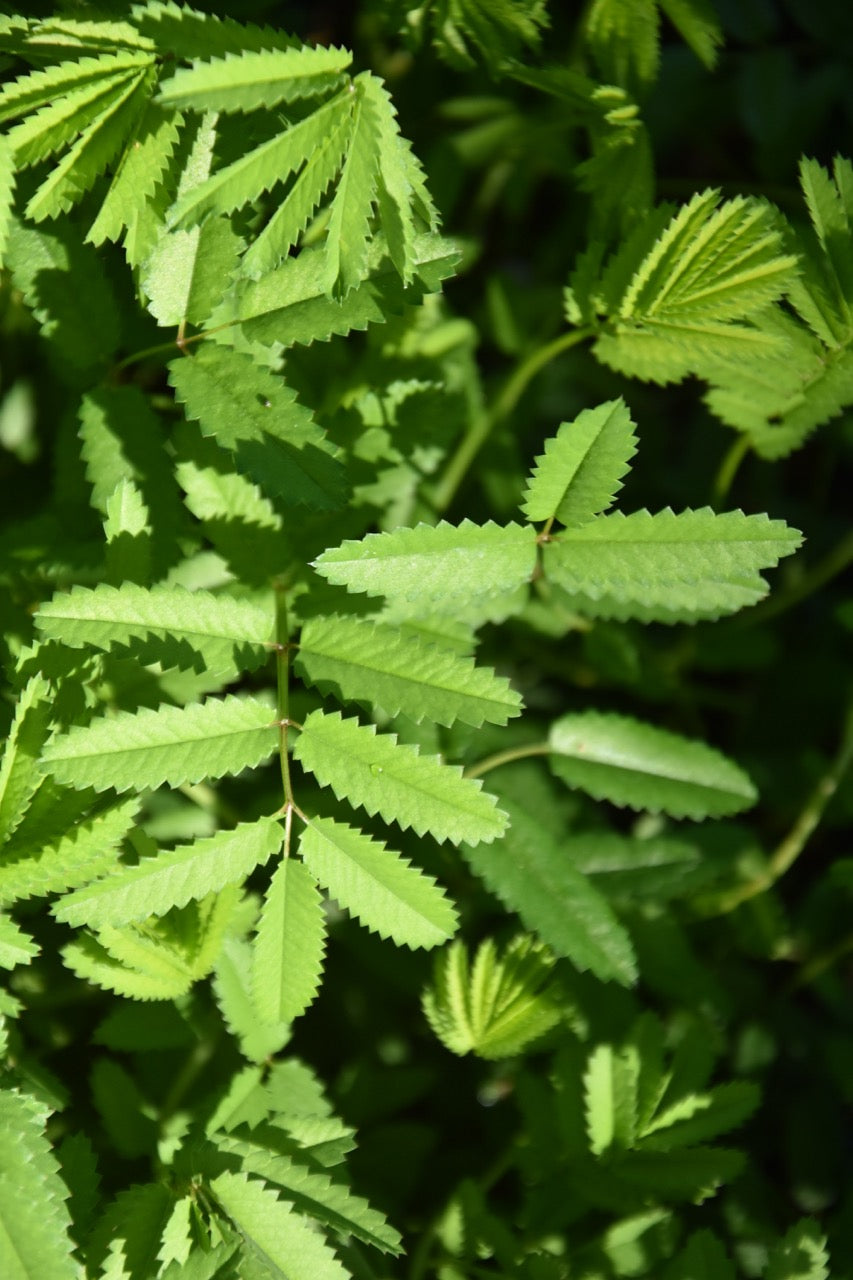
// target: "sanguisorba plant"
[[241, 565]]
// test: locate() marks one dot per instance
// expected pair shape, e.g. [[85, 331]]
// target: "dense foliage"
[[401, 407]]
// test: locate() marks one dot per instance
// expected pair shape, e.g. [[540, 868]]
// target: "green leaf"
[[188, 33], [707, 1116], [85, 851], [34, 1221], [69, 181], [389, 777], [439, 564], [691, 1175], [7, 194], [704, 1258], [580, 471], [173, 877], [20, 775], [172, 745], [42, 88], [142, 165], [273, 1233], [233, 988], [247, 178], [668, 567], [498, 1007], [251, 81], [698, 25], [369, 662], [289, 948], [16, 947], [223, 631], [252, 412], [610, 1097], [381, 888], [801, 1255], [125, 1241], [528, 871], [627, 762], [348, 228]]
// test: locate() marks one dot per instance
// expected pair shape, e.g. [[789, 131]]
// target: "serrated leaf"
[[274, 438], [371, 662], [273, 1232], [86, 850], [16, 947], [610, 1097], [691, 1175], [252, 80], [86, 160], [291, 941], [137, 174], [668, 566], [126, 1239], [20, 775], [173, 877], [439, 564], [392, 778], [529, 873], [91, 961], [34, 1221], [7, 194], [40, 88], [188, 33], [233, 988], [580, 471], [381, 888], [698, 25], [627, 762], [800, 1255], [346, 263], [172, 745], [703, 1258], [715, 1112], [222, 630]]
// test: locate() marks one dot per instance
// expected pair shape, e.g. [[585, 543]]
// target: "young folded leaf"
[[172, 745], [629, 763], [290, 944], [173, 877], [219, 629], [438, 565], [530, 874], [370, 662], [581, 469], [499, 1006], [392, 778], [381, 888], [668, 567]]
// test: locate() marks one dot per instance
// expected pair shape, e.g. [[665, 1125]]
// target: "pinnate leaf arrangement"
[[244, 701]]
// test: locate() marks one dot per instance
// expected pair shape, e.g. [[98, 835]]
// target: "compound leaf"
[[381, 888], [389, 777], [627, 762]]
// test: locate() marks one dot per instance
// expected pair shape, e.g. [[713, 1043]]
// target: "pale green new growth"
[[234, 990], [192, 625], [172, 745], [290, 945], [381, 888], [173, 877], [627, 762], [34, 1221], [392, 778], [371, 662], [497, 1007], [440, 564], [581, 469]]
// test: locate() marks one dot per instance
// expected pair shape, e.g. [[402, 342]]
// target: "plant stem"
[[483, 425], [795, 841], [507, 757], [728, 470], [282, 667]]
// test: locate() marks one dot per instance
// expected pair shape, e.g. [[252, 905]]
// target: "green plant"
[[240, 618]]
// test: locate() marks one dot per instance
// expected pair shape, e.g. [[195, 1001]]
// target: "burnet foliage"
[[228, 605]]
